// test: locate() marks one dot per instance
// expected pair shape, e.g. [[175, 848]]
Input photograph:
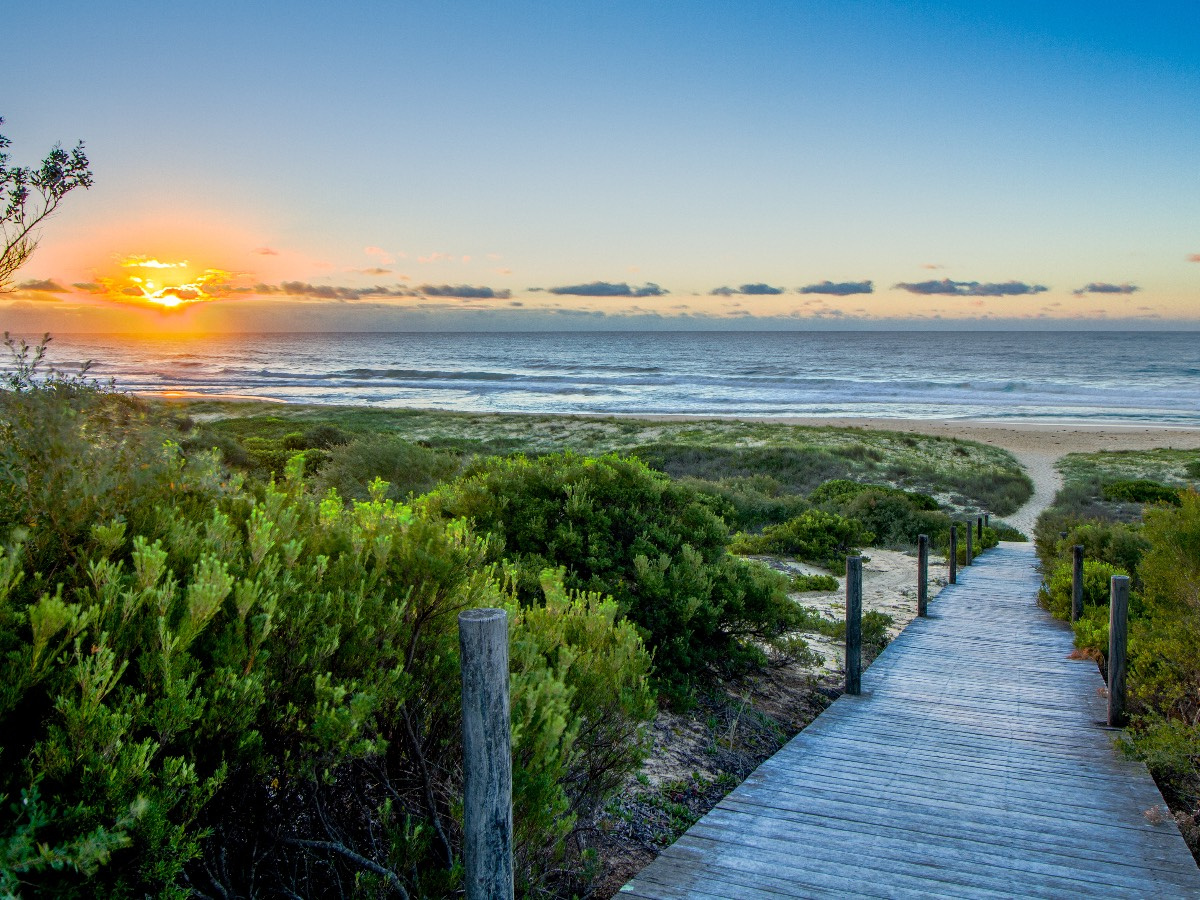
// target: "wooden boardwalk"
[[976, 763]]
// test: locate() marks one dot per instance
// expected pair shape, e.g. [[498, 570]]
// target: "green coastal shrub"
[[749, 503], [1141, 491], [408, 468], [807, 582], [1055, 595], [815, 536], [615, 526], [841, 490]]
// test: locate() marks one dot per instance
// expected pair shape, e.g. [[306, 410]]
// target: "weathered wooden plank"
[[974, 763]]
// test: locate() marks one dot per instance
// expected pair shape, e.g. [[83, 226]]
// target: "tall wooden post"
[[986, 523], [1118, 628], [487, 755], [854, 625], [954, 553], [922, 574], [1076, 582], [970, 549], [979, 531]]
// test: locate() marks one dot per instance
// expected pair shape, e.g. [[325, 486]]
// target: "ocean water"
[[1099, 377]]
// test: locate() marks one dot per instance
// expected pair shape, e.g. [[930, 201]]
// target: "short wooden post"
[[853, 624], [979, 531], [953, 553], [1118, 629], [1076, 582], [922, 574], [986, 523], [487, 754], [970, 548]]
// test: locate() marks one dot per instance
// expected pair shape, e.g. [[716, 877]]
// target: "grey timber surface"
[[975, 763]]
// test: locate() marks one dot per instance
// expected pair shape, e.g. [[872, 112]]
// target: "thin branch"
[[361, 861]]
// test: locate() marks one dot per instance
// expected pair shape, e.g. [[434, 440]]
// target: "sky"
[[401, 166]]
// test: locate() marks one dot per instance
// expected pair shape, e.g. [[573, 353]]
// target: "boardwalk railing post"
[[979, 531], [922, 574], [1118, 627], [1076, 582], [853, 624], [970, 548], [986, 523], [487, 754], [953, 553]]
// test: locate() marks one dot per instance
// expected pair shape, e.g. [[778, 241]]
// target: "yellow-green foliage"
[[204, 688], [1055, 595]]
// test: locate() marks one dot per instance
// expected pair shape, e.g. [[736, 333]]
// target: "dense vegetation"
[[228, 649], [1154, 539], [212, 688]]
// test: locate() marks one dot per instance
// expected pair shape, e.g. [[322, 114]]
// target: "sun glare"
[[165, 284]]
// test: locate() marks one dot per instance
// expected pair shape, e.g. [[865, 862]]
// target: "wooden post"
[[1076, 582], [922, 574], [979, 531], [853, 624], [986, 523], [970, 548], [487, 755], [1118, 627], [953, 553]]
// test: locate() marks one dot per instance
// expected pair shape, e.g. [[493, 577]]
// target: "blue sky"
[[692, 146]]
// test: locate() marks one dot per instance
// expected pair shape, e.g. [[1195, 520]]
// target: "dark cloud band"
[[608, 289], [949, 288], [1103, 287], [839, 288]]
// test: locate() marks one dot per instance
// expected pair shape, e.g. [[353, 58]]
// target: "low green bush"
[[1055, 595], [615, 526], [815, 536], [1141, 490], [807, 582], [841, 490], [408, 468]]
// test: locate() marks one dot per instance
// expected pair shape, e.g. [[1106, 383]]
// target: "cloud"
[[42, 286], [90, 286], [1102, 287], [932, 266], [379, 253], [971, 288], [839, 288], [758, 290], [147, 262], [463, 291], [332, 292], [265, 251], [608, 289], [435, 256], [375, 270], [1193, 257]]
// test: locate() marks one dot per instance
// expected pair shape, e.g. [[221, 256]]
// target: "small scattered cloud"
[[1193, 257], [839, 288], [380, 254], [90, 286], [265, 251], [42, 286], [755, 290], [375, 270], [608, 289], [971, 288], [436, 256], [463, 291], [332, 292], [932, 266], [148, 262], [1102, 287]]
